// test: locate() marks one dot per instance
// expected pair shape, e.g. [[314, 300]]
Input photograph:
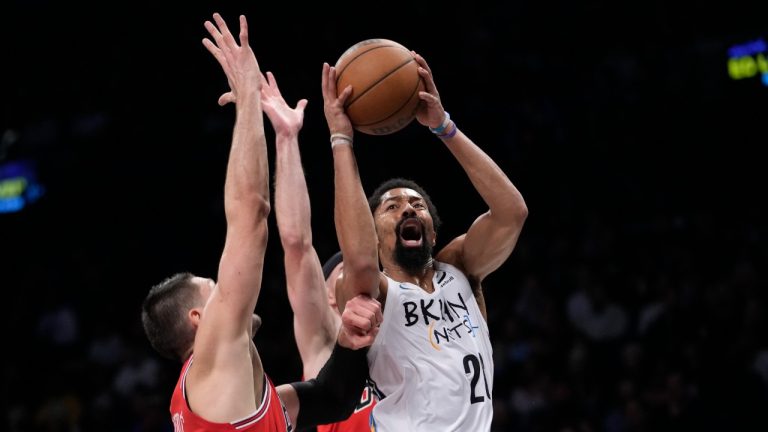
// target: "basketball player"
[[209, 326], [432, 362], [316, 318]]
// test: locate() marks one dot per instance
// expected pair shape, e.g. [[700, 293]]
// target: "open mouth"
[[411, 232]]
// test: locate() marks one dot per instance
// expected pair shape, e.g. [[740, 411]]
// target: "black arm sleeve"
[[334, 394]]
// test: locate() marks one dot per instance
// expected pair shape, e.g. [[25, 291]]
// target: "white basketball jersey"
[[432, 361]]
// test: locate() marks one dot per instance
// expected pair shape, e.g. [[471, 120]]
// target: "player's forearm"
[[354, 226], [246, 191], [246, 205], [292, 208], [333, 395]]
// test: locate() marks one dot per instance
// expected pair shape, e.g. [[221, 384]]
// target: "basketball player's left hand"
[[333, 104], [360, 322]]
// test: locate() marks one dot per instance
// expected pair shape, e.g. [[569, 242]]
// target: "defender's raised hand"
[[284, 119], [238, 61]]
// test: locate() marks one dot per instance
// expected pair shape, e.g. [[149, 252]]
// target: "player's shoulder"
[[452, 253]]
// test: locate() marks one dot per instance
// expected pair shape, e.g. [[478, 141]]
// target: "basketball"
[[385, 85]]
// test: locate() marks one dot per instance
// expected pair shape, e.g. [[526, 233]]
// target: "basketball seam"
[[398, 109], [375, 83], [341, 72]]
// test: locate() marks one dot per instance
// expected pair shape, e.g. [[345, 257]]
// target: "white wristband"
[[338, 138]]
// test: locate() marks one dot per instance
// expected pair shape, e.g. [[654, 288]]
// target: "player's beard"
[[413, 259]]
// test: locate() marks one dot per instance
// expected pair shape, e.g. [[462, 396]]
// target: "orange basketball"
[[385, 85]]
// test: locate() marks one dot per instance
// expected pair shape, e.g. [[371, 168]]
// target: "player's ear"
[[194, 316]]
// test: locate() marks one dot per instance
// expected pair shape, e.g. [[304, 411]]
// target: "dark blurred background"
[[634, 301]]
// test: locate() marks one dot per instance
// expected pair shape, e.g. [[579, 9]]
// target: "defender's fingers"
[[213, 31], [225, 33], [243, 31]]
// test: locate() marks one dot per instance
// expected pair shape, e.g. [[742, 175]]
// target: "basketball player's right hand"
[[360, 322], [333, 105], [430, 112]]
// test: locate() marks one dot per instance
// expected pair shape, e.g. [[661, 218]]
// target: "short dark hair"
[[374, 200], [331, 264], [163, 315]]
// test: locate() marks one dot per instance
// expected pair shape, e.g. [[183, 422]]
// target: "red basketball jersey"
[[270, 416], [359, 421]]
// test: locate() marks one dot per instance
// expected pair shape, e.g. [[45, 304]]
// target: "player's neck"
[[421, 276]]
